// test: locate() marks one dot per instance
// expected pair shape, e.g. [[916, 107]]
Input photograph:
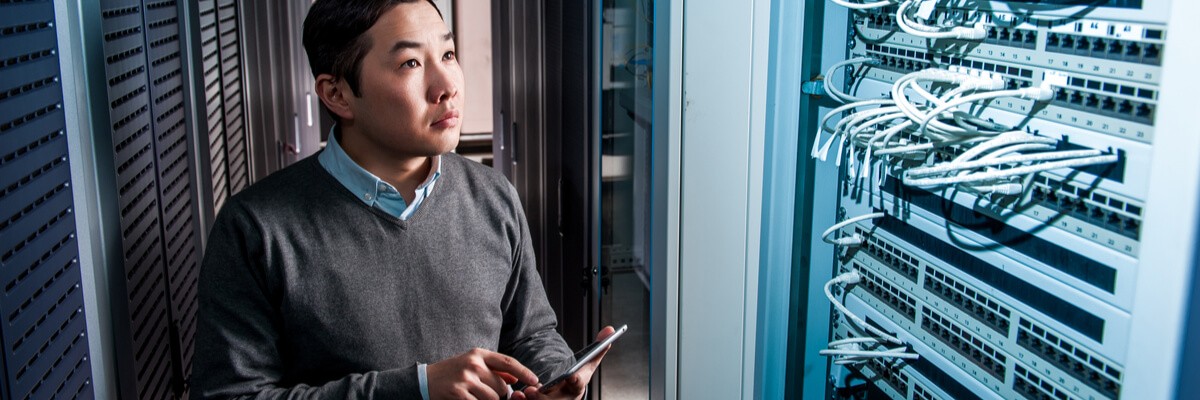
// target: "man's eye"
[[448, 56], [411, 64]]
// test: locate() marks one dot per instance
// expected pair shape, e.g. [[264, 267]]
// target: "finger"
[[606, 332], [507, 377], [484, 391], [518, 395], [502, 363], [586, 371], [532, 393], [573, 387], [495, 382]]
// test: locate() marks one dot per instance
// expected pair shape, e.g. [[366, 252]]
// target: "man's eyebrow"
[[406, 44]]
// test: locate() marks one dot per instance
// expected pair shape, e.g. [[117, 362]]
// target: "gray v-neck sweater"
[[306, 292]]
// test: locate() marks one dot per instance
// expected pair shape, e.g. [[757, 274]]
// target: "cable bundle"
[[935, 111], [915, 17]]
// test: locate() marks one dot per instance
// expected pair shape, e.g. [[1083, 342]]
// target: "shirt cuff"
[[423, 381]]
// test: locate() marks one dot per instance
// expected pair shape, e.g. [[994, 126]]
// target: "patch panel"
[[1129, 51], [991, 355], [941, 364], [1101, 216], [1034, 388], [890, 255], [890, 294], [964, 342], [886, 373], [1109, 49], [904, 60], [1066, 207], [1105, 104], [978, 305], [1055, 199], [995, 281], [1088, 205], [1114, 172], [1073, 360], [899, 379], [1108, 212], [1084, 269], [987, 291], [890, 374], [976, 239], [1012, 37], [1094, 110]]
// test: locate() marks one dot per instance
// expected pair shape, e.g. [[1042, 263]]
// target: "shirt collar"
[[365, 185]]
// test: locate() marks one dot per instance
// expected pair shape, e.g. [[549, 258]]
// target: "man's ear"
[[335, 94]]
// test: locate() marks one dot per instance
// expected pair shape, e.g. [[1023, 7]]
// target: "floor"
[[625, 373]]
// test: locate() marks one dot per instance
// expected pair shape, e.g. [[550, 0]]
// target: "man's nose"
[[443, 83]]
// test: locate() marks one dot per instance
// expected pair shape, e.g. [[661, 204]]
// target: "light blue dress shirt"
[[369, 188], [376, 193]]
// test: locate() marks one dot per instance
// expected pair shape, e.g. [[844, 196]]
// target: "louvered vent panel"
[[210, 60], [231, 87], [176, 180], [42, 328], [135, 156]]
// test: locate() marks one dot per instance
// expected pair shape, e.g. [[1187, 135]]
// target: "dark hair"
[[333, 35]]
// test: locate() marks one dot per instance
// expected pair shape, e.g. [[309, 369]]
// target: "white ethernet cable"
[[900, 106], [832, 89], [819, 151], [864, 6], [852, 240], [1043, 92], [1052, 161], [850, 351], [964, 82], [915, 28], [851, 278]]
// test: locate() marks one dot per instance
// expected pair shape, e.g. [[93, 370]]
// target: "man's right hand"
[[476, 374]]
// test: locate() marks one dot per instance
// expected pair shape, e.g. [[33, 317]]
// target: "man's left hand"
[[573, 387]]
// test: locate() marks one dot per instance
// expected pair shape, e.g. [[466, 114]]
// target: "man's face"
[[411, 86]]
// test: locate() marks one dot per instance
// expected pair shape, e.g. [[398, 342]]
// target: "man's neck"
[[403, 172]]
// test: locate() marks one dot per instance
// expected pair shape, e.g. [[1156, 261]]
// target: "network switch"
[[1008, 280], [1101, 204], [998, 363], [988, 314]]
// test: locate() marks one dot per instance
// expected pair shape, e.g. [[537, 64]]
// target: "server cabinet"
[[43, 332], [223, 109], [962, 267], [544, 141], [152, 151]]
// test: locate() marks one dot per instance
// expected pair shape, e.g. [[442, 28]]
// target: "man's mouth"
[[448, 120]]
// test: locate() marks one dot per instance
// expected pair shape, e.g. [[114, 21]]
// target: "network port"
[[965, 343], [1071, 359], [1106, 48]]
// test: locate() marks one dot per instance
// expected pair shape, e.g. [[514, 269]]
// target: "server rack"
[[1042, 292], [43, 332]]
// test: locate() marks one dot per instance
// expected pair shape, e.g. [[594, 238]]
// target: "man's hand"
[[575, 386], [477, 374]]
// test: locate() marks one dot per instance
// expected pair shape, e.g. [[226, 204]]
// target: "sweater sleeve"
[[237, 353], [529, 331]]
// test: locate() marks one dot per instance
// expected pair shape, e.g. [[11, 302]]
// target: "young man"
[[384, 267]]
